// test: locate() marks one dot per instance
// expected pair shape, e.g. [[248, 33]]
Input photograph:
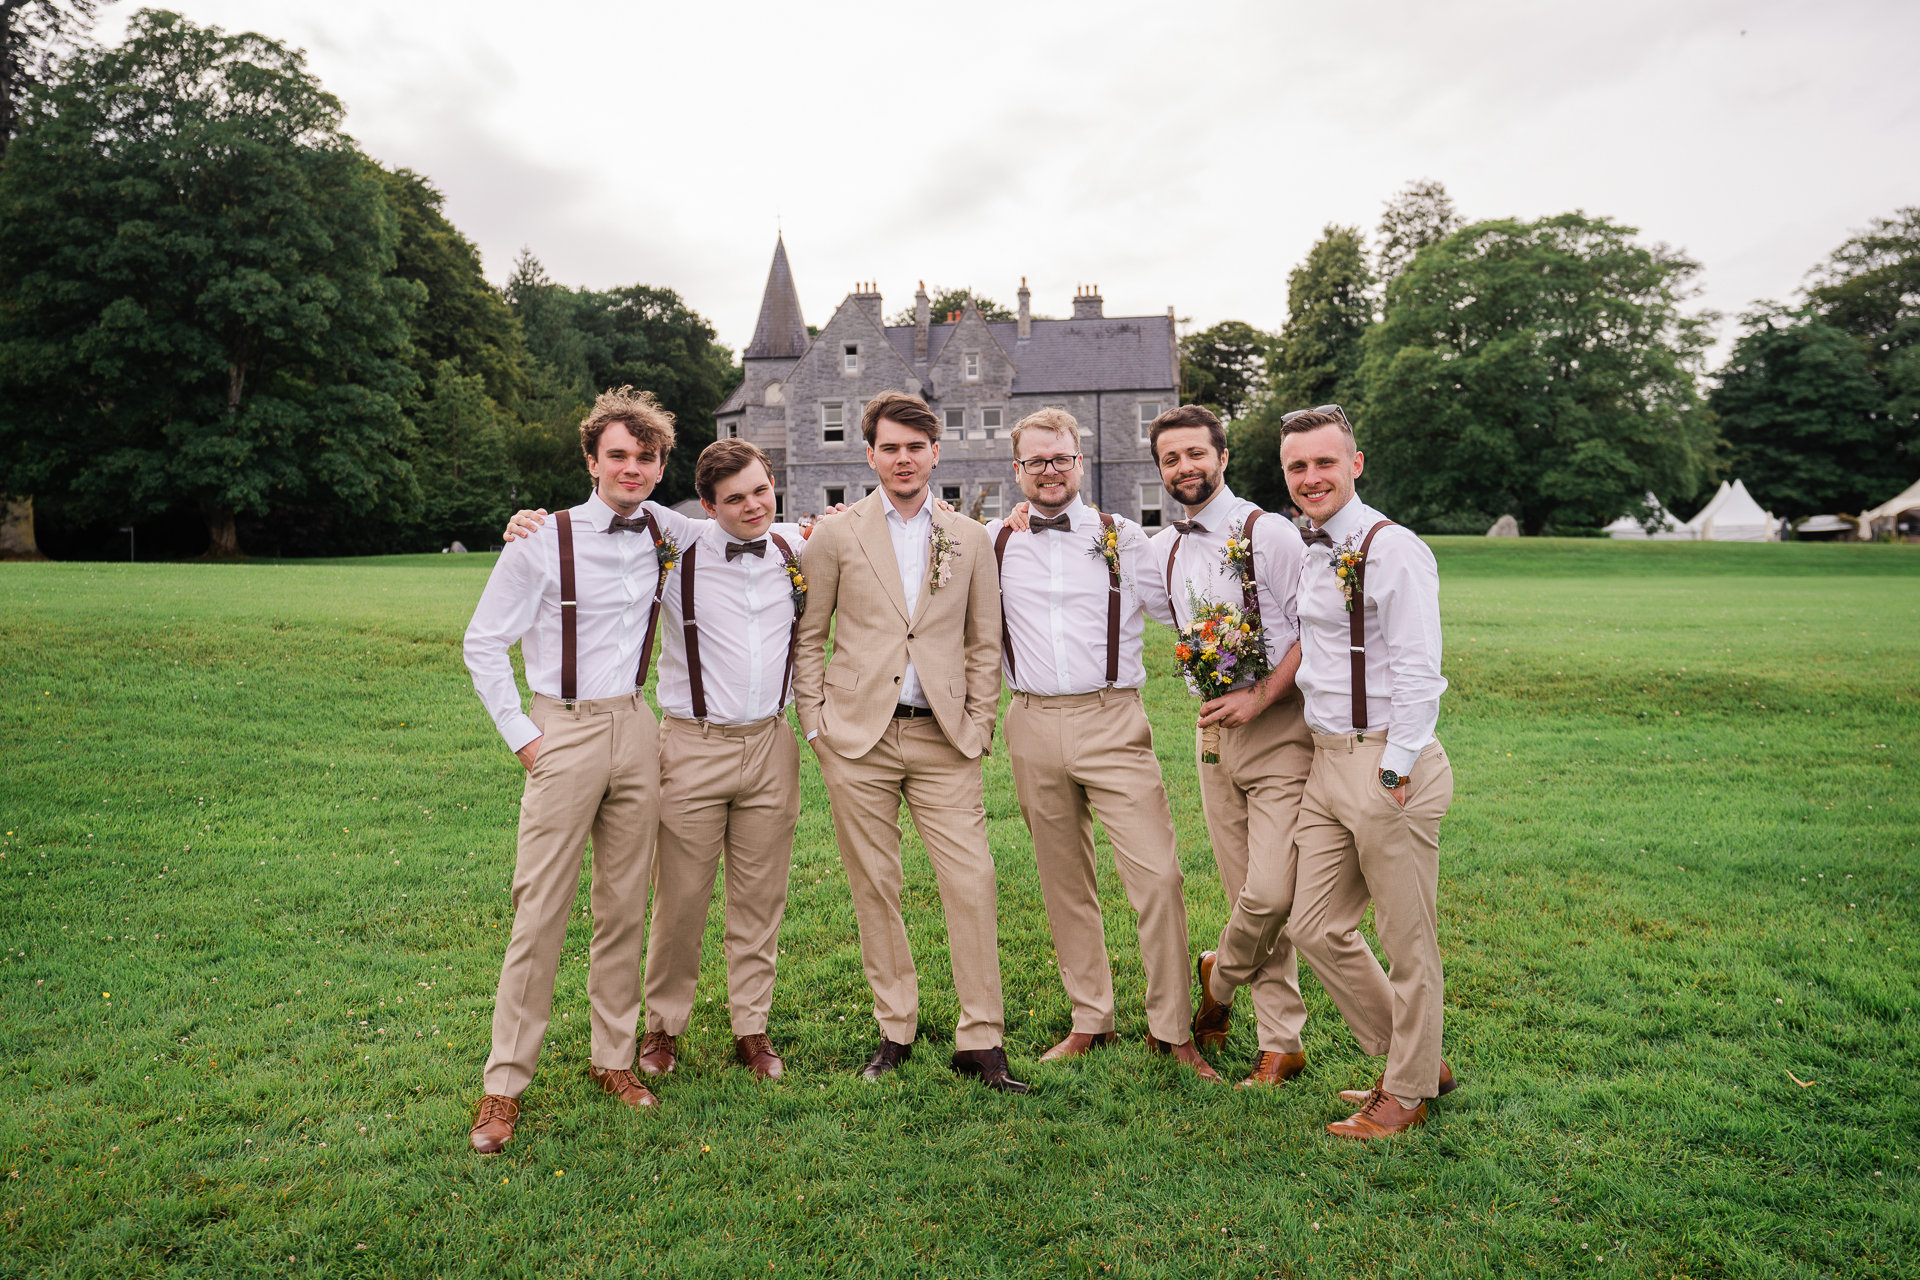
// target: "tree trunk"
[[223, 540], [16, 529]]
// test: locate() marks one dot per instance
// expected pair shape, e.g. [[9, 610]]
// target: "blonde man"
[[906, 710], [579, 596], [1071, 587]]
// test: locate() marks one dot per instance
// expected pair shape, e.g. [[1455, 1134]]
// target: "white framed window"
[[835, 495], [988, 502], [733, 430], [971, 363], [1149, 410], [990, 420], [850, 357], [950, 494], [1150, 499], [956, 424], [833, 422]]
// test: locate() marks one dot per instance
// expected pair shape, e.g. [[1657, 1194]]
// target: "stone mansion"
[[802, 395]]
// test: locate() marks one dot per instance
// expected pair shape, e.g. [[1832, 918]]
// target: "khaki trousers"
[[943, 792], [732, 789], [1251, 799], [1357, 842], [598, 774], [1095, 750]]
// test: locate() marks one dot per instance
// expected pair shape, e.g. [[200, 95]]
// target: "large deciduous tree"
[[1544, 369], [196, 298], [1871, 288], [1225, 367], [1803, 416], [1420, 215]]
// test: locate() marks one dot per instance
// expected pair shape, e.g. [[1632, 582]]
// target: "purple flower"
[[1226, 661]]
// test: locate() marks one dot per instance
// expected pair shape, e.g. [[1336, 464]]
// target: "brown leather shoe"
[[1078, 1044], [1382, 1117], [1211, 1024], [1187, 1055], [888, 1056], [493, 1123], [1358, 1097], [1274, 1068], [626, 1086], [756, 1055], [658, 1052], [990, 1066]]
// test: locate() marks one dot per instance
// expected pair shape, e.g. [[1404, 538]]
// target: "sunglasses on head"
[[1333, 409]]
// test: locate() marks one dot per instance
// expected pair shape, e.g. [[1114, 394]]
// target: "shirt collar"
[[926, 508], [1349, 520], [715, 536], [1218, 505], [1077, 512], [595, 512]]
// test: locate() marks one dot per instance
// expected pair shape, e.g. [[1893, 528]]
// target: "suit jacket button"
[[909, 635], [896, 679]]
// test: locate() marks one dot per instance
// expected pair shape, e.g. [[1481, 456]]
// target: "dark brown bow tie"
[[1316, 538], [636, 523], [1040, 524], [758, 547], [1189, 526]]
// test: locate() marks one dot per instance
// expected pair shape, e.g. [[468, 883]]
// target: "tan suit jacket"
[[952, 638]]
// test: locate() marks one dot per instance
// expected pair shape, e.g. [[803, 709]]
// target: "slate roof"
[[782, 331], [1121, 353]]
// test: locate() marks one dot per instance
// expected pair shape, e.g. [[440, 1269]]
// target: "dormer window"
[[972, 365], [850, 357]]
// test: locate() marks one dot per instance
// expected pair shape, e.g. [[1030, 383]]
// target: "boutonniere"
[[668, 553], [944, 554], [796, 579], [1106, 546], [1239, 559], [1346, 566]]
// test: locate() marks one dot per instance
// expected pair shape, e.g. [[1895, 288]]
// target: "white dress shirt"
[[744, 610], [1053, 594], [910, 549], [614, 578], [1201, 566], [1401, 627]]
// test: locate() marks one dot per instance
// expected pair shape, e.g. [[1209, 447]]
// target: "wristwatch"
[[1393, 781]]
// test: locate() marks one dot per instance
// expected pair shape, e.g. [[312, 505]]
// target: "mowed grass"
[[258, 835]]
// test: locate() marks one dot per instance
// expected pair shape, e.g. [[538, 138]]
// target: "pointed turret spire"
[[781, 332]]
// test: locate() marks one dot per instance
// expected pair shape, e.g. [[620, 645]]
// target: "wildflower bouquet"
[[796, 581], [1220, 647], [667, 551], [944, 552]]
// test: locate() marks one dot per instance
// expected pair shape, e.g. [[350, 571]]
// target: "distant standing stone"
[[1504, 527]]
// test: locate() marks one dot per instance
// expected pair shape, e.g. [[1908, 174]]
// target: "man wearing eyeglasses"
[[1072, 624], [1369, 826]]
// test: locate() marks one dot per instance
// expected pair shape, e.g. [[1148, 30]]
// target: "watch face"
[[1389, 779]]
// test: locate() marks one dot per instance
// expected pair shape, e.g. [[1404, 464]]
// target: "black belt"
[[907, 711]]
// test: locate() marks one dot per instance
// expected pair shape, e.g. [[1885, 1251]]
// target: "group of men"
[[1327, 793]]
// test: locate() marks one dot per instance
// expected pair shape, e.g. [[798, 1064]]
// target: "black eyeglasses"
[[1333, 409], [1036, 466]]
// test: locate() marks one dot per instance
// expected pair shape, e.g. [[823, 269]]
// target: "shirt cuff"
[[519, 731], [813, 735], [1399, 759]]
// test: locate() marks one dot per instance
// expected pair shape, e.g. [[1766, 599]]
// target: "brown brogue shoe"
[[889, 1055], [1274, 1068], [756, 1054], [1187, 1055], [1382, 1117], [989, 1066], [1078, 1044], [658, 1052], [493, 1123], [626, 1086], [1358, 1097], [1211, 1024]]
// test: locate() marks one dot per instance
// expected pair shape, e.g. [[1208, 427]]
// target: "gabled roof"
[[782, 331], [1120, 353]]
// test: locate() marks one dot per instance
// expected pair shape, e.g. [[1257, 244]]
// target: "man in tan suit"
[[906, 708]]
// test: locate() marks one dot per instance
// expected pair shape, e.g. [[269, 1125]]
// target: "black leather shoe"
[[888, 1056], [990, 1065]]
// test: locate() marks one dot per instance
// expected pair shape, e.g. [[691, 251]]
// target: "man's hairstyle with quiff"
[[638, 411], [724, 458], [1187, 415], [1046, 420], [1313, 420], [898, 406]]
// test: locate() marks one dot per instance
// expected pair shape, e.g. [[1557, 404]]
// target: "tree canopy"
[[1224, 367], [1871, 288], [1329, 308], [1420, 215], [199, 300], [1544, 369]]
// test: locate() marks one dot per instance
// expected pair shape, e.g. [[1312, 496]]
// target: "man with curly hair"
[[580, 596]]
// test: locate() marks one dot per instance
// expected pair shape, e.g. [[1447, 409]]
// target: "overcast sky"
[[1175, 155]]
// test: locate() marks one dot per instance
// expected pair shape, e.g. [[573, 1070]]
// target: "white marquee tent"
[[1875, 520], [1733, 516]]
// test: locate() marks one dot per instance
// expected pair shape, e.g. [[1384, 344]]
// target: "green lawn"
[[258, 833]]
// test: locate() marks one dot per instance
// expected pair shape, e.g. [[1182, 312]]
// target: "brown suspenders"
[[1113, 607], [692, 632], [570, 612], [1249, 586], [1357, 646]]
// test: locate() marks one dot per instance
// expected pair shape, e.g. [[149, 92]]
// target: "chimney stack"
[[867, 294], [1026, 311], [1087, 304], [920, 324]]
